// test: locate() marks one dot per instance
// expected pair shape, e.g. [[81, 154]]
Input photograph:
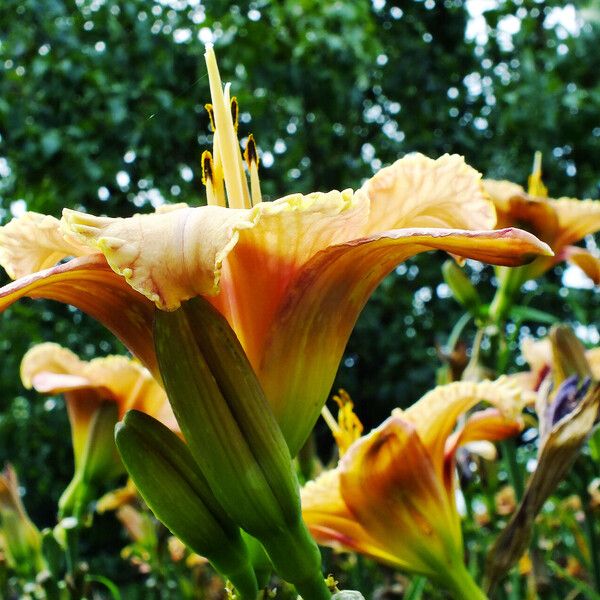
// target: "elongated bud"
[[234, 437], [22, 540], [462, 288], [168, 479]]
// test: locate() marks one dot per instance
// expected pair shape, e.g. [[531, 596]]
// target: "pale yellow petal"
[[34, 242], [589, 263], [178, 254], [576, 219], [52, 369], [501, 191], [417, 191]]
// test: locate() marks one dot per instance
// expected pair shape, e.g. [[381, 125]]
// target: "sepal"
[[463, 290]]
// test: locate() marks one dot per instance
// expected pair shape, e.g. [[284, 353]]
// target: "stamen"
[[218, 178], [207, 177], [536, 186], [235, 112], [246, 192], [251, 158], [235, 179]]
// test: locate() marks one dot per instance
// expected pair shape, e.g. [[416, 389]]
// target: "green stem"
[[457, 331], [462, 586], [515, 476]]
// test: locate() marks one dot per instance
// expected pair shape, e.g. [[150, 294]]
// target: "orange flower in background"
[[97, 394], [291, 276], [392, 496], [560, 223], [51, 369]]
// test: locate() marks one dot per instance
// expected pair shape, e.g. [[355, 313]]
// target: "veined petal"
[[282, 237], [435, 415], [576, 219], [417, 191], [389, 472], [34, 242], [310, 331], [168, 257], [89, 284], [332, 524], [589, 263]]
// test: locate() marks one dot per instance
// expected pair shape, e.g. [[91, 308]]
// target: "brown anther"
[[211, 115], [250, 152], [207, 167], [235, 112]]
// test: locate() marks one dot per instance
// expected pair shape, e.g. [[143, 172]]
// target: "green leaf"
[[526, 313]]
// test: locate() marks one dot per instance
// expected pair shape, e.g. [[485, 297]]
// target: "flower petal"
[[89, 284], [34, 242], [52, 369], [309, 333], [417, 191], [169, 256], [589, 263], [501, 191], [389, 472], [282, 237], [332, 524], [576, 219], [490, 424], [435, 415]]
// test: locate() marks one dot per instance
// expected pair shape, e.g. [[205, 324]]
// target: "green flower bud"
[[461, 286], [22, 540], [170, 482], [234, 437]]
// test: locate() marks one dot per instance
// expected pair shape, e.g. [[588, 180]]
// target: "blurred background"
[[102, 108]]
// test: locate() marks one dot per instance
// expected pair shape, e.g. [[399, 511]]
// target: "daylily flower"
[[290, 276], [89, 388], [392, 496], [560, 223]]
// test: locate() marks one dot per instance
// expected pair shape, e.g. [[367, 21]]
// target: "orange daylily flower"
[[392, 495], [291, 276], [97, 394], [51, 369], [560, 223]]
